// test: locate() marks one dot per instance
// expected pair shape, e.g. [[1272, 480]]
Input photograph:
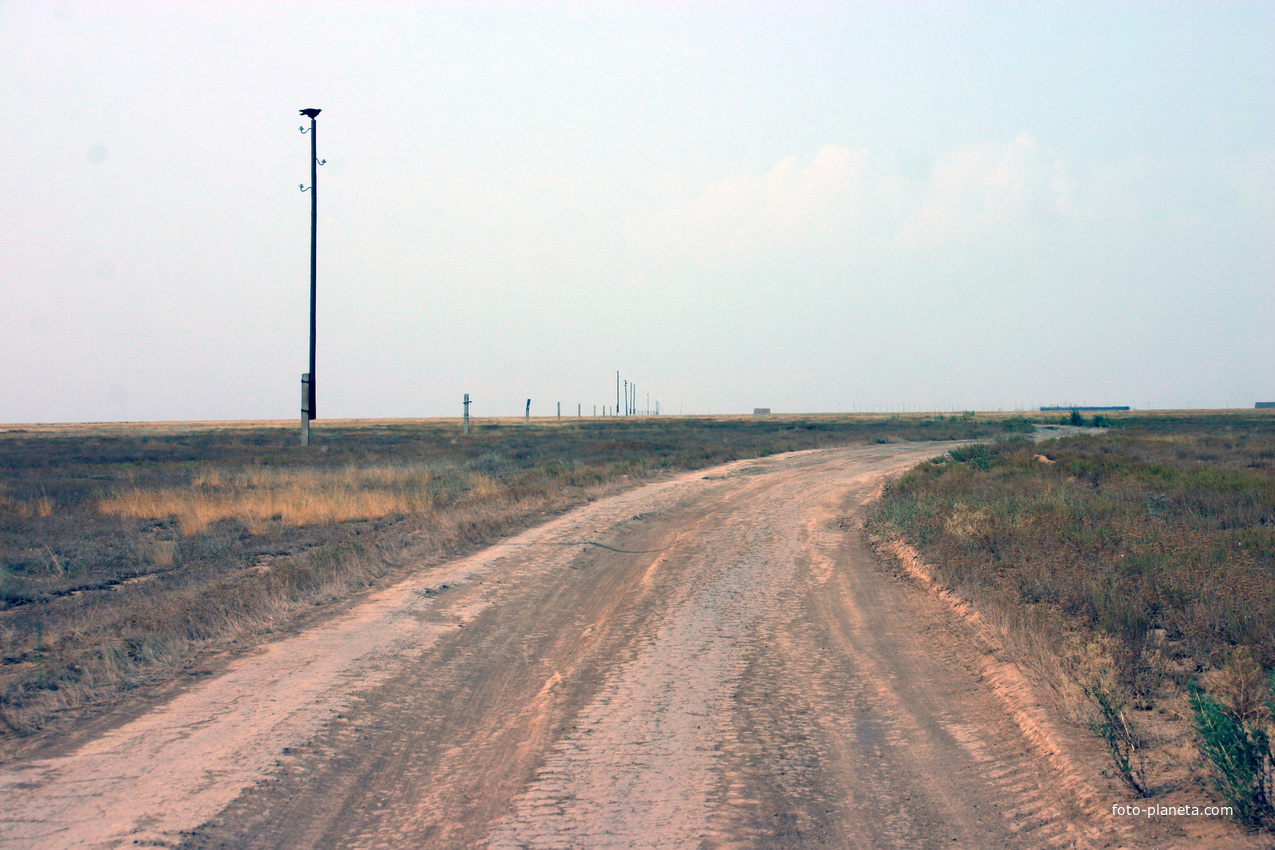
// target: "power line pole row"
[[630, 398]]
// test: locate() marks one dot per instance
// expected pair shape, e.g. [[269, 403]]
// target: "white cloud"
[[845, 200], [791, 205], [982, 191]]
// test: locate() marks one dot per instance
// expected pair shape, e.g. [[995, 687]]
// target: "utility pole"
[[466, 413], [527, 416], [307, 380], [626, 397]]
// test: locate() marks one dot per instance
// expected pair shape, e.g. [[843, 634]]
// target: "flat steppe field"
[[129, 551], [1045, 607]]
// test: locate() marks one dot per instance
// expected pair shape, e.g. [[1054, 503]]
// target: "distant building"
[[1065, 408], [1265, 405], [757, 411]]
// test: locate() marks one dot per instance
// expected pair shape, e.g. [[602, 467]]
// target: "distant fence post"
[[559, 411], [466, 413]]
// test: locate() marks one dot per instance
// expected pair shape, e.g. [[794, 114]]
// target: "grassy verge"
[[128, 553], [1153, 545]]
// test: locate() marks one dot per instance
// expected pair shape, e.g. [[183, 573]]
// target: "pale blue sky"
[[809, 207]]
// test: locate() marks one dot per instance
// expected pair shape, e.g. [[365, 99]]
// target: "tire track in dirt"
[[645, 751], [867, 725], [150, 780], [730, 668]]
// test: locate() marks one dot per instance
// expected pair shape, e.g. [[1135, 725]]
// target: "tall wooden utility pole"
[[307, 380]]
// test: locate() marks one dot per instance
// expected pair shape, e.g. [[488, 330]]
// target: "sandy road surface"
[[709, 661]]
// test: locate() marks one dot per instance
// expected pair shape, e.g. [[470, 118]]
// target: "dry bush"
[[1240, 686]]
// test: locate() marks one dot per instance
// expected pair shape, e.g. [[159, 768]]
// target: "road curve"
[[709, 661]]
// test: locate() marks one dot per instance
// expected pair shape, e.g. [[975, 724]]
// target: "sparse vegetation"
[[128, 553], [1112, 725], [1156, 537], [1239, 751], [260, 497]]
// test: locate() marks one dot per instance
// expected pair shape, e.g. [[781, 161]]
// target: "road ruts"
[[709, 661], [792, 697]]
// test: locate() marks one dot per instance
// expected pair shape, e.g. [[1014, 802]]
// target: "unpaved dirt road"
[[709, 661]]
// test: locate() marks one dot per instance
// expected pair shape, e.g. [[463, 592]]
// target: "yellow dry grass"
[[41, 507], [483, 488], [261, 497]]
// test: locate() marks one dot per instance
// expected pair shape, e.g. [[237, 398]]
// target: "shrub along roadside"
[[1240, 752], [1158, 538]]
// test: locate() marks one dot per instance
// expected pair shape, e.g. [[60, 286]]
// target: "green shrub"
[[1240, 754], [978, 455], [1113, 728]]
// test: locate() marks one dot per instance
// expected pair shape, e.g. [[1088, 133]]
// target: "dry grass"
[[128, 553], [41, 506], [1135, 564], [260, 497]]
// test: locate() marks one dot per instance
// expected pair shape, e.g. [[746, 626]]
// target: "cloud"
[[792, 205], [982, 191], [846, 200]]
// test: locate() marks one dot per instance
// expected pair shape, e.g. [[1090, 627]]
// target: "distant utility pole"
[[626, 397], [527, 416], [307, 380], [466, 413]]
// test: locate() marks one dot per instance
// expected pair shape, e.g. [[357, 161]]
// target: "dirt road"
[[709, 661]]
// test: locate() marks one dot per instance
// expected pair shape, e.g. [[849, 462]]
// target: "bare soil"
[[715, 660]]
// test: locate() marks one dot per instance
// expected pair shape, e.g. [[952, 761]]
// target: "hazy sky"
[[807, 207]]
